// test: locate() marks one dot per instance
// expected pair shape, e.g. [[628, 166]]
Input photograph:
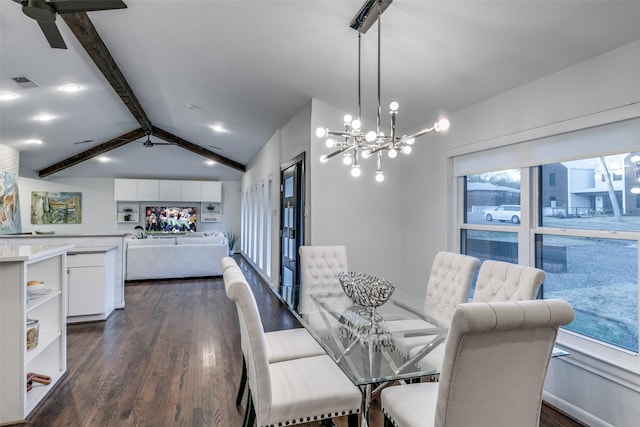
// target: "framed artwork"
[[56, 207], [10, 222]]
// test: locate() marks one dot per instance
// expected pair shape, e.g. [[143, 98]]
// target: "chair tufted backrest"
[[449, 283], [496, 360], [227, 262], [319, 266], [504, 281], [252, 334]]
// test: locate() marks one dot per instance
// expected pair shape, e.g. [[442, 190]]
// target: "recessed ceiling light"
[[34, 141], [210, 162], [7, 96], [218, 128], [71, 88], [45, 117]]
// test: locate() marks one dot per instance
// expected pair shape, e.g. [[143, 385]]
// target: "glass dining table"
[[397, 341]]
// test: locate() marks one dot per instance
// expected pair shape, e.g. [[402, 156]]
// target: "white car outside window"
[[504, 213]]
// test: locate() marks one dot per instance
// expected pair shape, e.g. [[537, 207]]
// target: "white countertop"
[[91, 249], [30, 252]]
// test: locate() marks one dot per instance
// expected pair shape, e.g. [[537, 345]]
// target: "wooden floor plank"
[[170, 358]]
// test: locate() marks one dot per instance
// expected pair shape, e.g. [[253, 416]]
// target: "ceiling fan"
[[148, 143], [45, 13]]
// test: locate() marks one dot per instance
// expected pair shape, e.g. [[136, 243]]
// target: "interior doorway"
[[291, 228]]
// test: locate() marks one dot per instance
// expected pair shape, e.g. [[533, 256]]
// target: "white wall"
[[566, 99], [267, 164], [359, 213], [99, 208]]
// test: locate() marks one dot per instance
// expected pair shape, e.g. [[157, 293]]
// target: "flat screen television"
[[171, 219]]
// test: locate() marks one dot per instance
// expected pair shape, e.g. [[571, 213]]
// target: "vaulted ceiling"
[[249, 66]]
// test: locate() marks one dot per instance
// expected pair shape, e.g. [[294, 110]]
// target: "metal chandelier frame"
[[353, 142]]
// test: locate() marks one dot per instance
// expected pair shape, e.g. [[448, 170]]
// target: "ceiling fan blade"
[[73, 6], [52, 34]]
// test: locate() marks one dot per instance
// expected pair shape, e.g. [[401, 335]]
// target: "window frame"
[[588, 353]]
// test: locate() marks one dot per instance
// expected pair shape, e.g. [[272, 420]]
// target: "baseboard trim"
[[571, 411]]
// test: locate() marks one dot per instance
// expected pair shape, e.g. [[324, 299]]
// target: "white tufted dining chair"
[[496, 360], [319, 267], [280, 345], [448, 285], [291, 391], [504, 281]]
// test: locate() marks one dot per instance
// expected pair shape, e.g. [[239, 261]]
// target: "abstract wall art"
[[10, 222], [56, 207]]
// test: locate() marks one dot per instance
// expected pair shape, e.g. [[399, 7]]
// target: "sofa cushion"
[[152, 242], [195, 234], [199, 241]]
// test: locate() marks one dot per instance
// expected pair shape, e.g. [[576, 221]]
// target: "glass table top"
[[397, 340]]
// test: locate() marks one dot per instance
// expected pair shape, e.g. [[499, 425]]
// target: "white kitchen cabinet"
[[91, 285], [190, 191], [18, 265], [211, 191], [164, 190], [125, 189], [170, 191], [148, 190]]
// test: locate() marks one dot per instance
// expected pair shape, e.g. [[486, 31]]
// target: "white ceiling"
[[251, 65]]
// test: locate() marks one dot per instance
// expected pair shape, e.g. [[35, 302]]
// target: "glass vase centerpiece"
[[364, 289]]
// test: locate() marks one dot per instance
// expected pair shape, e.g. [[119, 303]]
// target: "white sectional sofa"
[[175, 257]]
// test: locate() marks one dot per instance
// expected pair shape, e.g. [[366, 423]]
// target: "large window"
[[579, 221], [493, 197], [598, 277]]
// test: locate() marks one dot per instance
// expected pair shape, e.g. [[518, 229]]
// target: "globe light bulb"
[[321, 132], [370, 136], [355, 171], [330, 142], [441, 125], [366, 154], [356, 124], [410, 141], [406, 149], [379, 176], [394, 106], [393, 153], [324, 159], [346, 159], [347, 118]]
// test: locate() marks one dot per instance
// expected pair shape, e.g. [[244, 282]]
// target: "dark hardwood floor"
[[170, 358]]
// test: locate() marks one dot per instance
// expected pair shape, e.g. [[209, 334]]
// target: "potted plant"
[[232, 239]]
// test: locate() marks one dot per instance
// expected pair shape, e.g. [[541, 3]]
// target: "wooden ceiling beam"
[[92, 152], [169, 137], [82, 27]]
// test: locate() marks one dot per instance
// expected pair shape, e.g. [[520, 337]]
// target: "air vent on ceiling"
[[25, 82]]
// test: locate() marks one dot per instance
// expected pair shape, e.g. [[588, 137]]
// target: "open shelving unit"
[[18, 265]]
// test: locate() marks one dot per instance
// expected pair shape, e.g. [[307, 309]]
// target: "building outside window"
[[582, 227]]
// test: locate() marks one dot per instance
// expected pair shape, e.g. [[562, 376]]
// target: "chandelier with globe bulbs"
[[354, 143]]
